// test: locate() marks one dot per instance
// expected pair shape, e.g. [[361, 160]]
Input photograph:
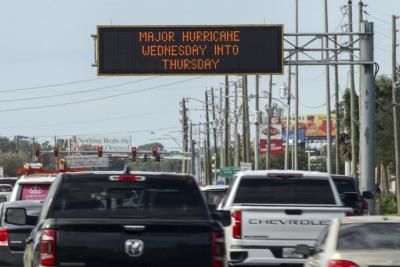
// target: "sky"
[[49, 88]]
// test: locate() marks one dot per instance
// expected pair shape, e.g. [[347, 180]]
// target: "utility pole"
[[192, 150], [208, 153], [337, 148], [296, 109], [328, 96], [269, 115], [215, 123], [367, 112], [185, 134], [395, 112], [226, 123], [246, 119], [257, 126], [354, 155], [236, 138], [221, 129], [289, 93]]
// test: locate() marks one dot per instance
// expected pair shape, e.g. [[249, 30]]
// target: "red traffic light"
[[99, 151], [134, 149], [155, 149], [37, 151]]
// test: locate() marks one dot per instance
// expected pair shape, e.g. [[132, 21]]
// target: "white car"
[[359, 241], [32, 187]]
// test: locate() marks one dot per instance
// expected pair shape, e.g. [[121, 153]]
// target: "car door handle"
[[29, 240]]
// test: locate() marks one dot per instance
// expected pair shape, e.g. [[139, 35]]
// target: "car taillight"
[[217, 249], [349, 213], [3, 237], [127, 178], [364, 207], [341, 263], [237, 224], [48, 248]]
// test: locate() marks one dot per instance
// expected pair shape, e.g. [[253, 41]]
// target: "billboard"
[[166, 50], [275, 129], [314, 126], [109, 143], [276, 147], [86, 161]]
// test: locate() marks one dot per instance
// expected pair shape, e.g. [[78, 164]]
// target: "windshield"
[[369, 236], [284, 191], [95, 199]]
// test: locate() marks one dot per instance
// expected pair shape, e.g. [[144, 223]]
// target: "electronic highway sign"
[[176, 50]]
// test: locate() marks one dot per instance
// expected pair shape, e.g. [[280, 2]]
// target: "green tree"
[[11, 162]]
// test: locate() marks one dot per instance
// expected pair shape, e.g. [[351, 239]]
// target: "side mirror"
[[222, 216], [16, 216], [367, 195], [304, 250], [350, 198]]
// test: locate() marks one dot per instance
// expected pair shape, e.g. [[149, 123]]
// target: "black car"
[[17, 220], [349, 185]]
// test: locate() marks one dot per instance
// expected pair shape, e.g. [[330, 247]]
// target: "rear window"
[[151, 199], [5, 188], [34, 191], [214, 196], [345, 185], [8, 181], [369, 236], [284, 191]]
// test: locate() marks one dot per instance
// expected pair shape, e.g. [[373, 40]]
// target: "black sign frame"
[[121, 49]]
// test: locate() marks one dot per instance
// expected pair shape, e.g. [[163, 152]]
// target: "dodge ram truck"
[[273, 211], [96, 219]]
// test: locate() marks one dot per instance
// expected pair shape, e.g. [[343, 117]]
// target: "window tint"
[[345, 185], [214, 196], [284, 191], [160, 199], [369, 236]]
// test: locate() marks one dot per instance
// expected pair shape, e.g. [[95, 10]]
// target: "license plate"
[[291, 253]]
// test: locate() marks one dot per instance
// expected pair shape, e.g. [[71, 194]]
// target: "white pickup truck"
[[273, 211]]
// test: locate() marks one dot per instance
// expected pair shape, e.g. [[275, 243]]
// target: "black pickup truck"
[[97, 219]]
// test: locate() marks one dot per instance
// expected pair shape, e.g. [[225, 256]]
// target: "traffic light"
[[155, 151], [134, 150], [100, 151], [145, 158], [55, 151], [37, 151]]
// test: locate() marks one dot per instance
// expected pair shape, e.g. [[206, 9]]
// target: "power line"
[[98, 98], [87, 121], [49, 85], [74, 92]]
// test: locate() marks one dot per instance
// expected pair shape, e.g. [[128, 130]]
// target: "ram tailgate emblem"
[[134, 247]]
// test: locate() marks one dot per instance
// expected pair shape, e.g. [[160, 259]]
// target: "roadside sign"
[[228, 171], [220, 182], [87, 161], [245, 166], [166, 50]]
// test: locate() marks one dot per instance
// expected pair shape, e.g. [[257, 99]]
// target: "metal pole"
[[309, 160], [226, 123], [296, 114], [395, 112], [257, 126], [367, 113], [269, 115], [337, 148], [247, 124], [244, 121], [184, 134], [288, 119], [198, 172], [215, 124], [237, 149], [328, 97], [208, 152], [221, 130], [354, 155], [192, 150]]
